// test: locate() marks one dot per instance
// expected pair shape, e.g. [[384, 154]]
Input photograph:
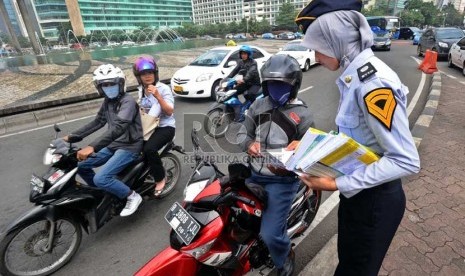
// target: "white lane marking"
[[42, 127], [305, 89], [415, 98]]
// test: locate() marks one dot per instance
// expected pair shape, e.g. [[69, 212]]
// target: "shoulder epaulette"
[[366, 71]]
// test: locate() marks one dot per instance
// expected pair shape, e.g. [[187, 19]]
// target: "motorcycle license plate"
[[182, 223], [178, 89]]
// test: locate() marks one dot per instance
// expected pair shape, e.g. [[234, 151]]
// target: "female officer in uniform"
[[372, 110]]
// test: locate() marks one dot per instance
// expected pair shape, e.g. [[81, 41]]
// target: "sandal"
[[157, 193]]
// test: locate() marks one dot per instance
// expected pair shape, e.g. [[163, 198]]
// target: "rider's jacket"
[[251, 76], [273, 128], [124, 126]]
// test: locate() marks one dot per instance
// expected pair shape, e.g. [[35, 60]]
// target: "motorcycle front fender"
[[169, 262], [40, 211], [217, 105]]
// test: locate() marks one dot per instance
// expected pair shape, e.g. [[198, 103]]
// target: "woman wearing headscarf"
[[372, 110]]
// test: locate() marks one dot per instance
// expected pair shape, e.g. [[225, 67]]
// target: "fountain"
[[67, 38]]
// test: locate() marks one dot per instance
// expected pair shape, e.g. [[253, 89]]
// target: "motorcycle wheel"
[[172, 167], [23, 251], [311, 205], [217, 122]]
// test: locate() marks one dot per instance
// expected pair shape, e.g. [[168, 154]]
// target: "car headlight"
[[443, 44], [388, 42], [204, 77]]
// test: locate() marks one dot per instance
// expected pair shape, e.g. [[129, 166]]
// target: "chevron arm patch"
[[381, 104]]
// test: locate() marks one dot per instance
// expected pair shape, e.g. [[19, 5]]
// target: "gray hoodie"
[[273, 128]]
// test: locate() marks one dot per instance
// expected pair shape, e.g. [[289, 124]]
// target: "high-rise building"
[[14, 16], [87, 16], [225, 11]]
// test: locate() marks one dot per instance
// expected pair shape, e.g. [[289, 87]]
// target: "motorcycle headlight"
[[443, 44], [198, 252], [37, 184], [51, 158], [193, 190], [204, 77]]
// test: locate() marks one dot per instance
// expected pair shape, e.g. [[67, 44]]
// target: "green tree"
[[411, 18], [188, 30], [450, 16], [286, 16], [24, 42], [5, 38]]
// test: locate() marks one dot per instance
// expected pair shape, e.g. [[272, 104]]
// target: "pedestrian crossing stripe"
[[381, 103]]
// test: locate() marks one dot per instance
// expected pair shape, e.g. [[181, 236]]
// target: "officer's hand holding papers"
[[323, 154]]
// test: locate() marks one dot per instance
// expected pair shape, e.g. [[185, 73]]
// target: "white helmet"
[[107, 73]]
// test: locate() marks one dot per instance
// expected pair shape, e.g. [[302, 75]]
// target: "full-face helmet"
[[145, 64], [110, 81], [246, 49], [281, 78]]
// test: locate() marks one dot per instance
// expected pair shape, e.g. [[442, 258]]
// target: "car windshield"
[[381, 35], [294, 47], [210, 58], [446, 34]]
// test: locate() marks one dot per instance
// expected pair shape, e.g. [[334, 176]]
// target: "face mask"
[[111, 91], [279, 92]]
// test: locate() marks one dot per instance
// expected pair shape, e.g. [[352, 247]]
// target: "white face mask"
[[111, 91]]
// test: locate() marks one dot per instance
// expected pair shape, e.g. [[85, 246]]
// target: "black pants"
[[367, 224], [160, 137], [250, 92]]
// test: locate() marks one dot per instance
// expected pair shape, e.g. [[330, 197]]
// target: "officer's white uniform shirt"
[[373, 112]]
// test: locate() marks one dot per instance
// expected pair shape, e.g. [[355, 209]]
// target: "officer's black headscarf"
[[340, 34]]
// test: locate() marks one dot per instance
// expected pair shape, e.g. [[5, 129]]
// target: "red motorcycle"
[[216, 230]]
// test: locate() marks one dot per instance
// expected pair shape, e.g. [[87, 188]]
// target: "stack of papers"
[[323, 154]]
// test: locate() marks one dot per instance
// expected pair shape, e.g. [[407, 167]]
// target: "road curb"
[[425, 118]]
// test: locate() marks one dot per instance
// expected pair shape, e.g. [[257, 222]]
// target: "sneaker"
[[132, 203]]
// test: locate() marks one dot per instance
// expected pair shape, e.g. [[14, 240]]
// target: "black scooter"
[[46, 237]]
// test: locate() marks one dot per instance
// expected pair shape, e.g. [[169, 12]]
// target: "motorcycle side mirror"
[[74, 138], [56, 128]]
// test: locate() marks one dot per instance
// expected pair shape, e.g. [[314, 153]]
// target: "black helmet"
[[282, 68]]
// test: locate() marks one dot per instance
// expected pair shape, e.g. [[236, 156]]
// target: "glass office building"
[[225, 11], [92, 15]]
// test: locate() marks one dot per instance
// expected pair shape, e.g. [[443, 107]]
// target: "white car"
[[456, 55], [305, 56], [201, 78]]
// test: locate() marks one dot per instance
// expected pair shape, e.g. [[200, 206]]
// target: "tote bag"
[[149, 123]]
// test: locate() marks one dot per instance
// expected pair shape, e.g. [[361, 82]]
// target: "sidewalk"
[[431, 237]]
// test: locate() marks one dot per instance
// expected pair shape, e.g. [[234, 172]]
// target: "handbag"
[[149, 124]]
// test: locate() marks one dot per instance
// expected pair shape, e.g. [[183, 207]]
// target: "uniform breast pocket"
[[351, 125]]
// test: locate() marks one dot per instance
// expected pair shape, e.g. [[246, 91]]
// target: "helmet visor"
[[108, 82], [143, 64]]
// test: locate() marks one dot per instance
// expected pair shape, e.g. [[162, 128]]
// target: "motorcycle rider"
[[273, 122], [250, 84], [156, 97], [117, 147]]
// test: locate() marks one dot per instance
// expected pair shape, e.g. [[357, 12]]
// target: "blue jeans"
[[113, 163], [273, 229]]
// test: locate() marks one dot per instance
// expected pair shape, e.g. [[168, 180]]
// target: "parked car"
[[76, 46], [416, 37], [95, 44], [439, 40], [305, 56], [201, 78], [407, 32], [381, 41], [268, 36], [239, 36], [456, 55], [229, 36], [298, 35], [287, 35]]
